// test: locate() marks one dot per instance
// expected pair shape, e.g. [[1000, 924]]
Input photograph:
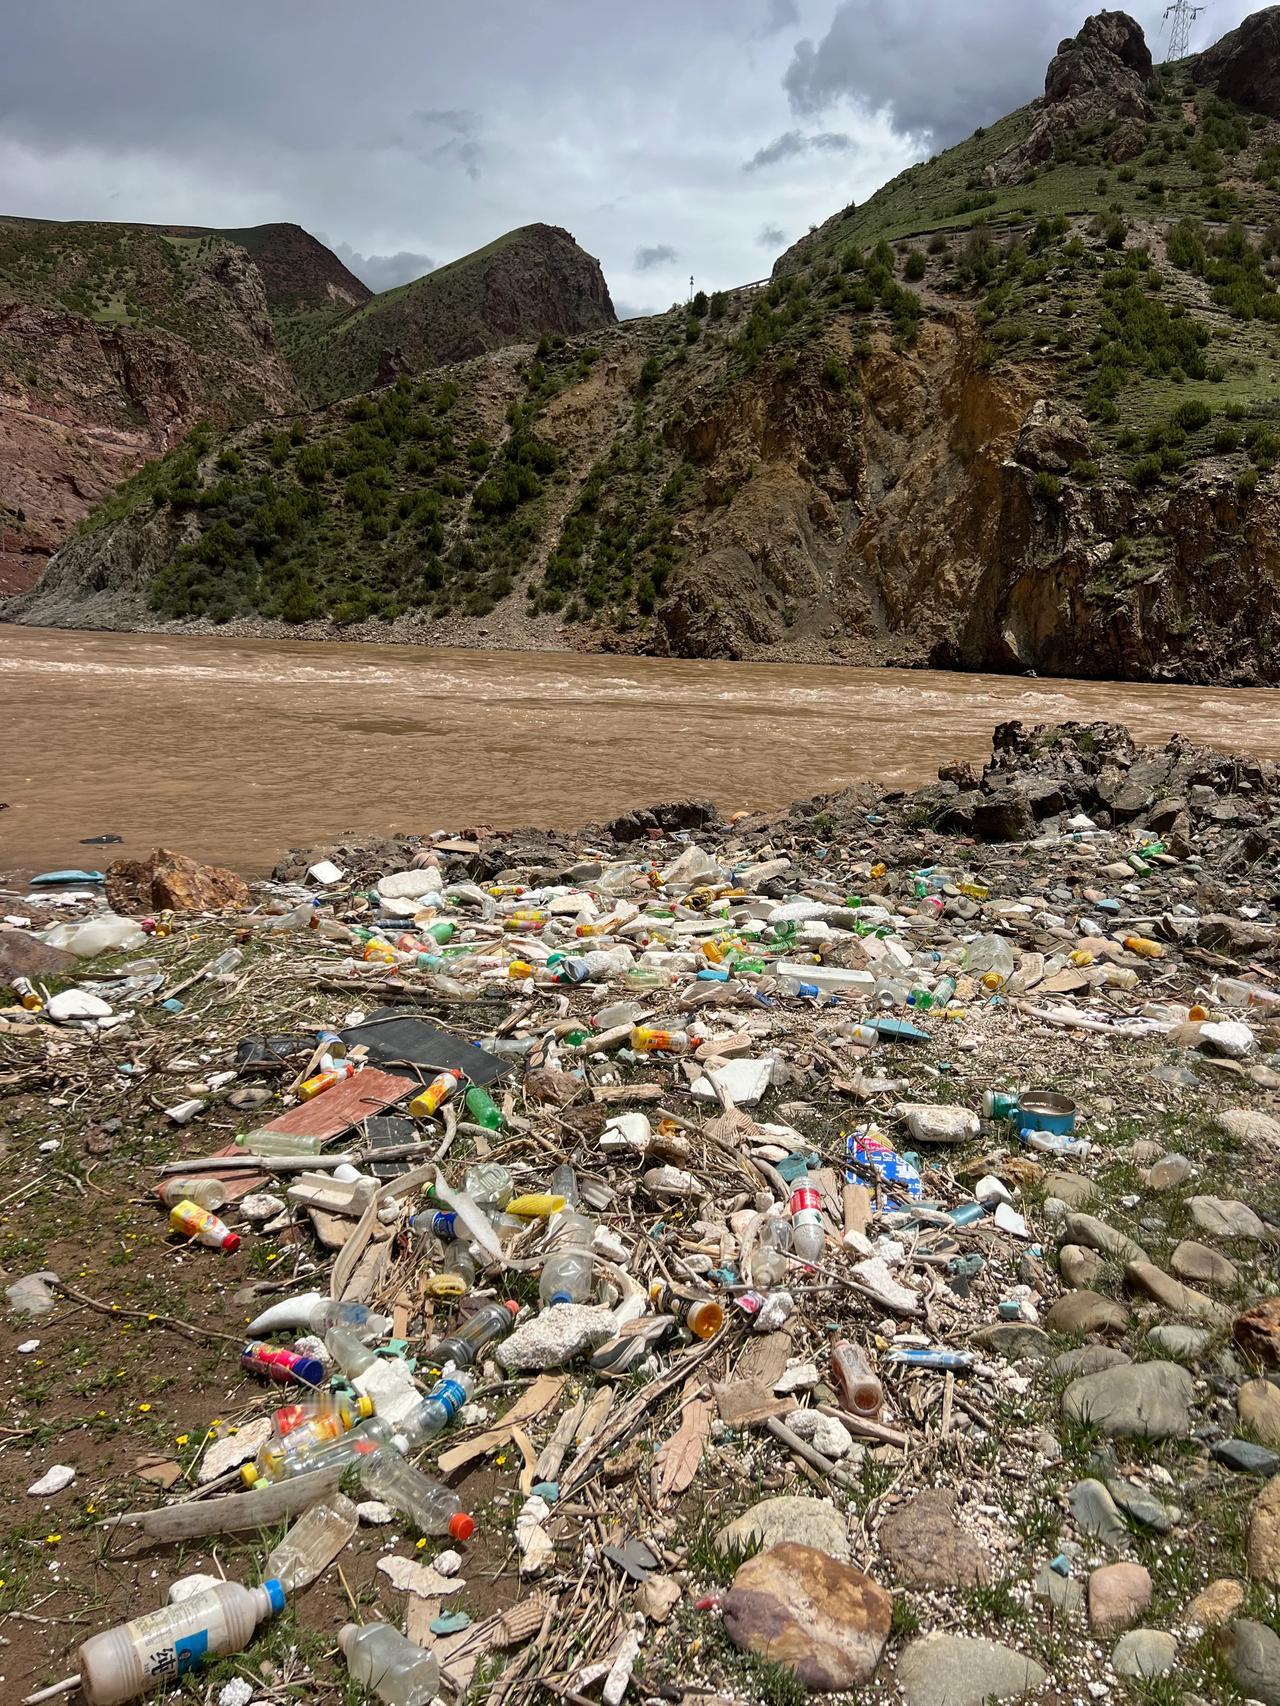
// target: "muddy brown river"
[[233, 750]]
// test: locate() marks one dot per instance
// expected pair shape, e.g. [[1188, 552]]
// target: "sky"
[[673, 138]]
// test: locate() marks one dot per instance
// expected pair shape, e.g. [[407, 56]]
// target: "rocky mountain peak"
[[1245, 64], [1109, 56]]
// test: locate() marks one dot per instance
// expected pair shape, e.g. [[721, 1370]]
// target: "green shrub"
[[1046, 487], [914, 267], [1247, 484], [1226, 441], [835, 375], [1192, 415], [1146, 472]]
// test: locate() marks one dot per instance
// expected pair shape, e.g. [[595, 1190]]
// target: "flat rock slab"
[[1245, 1457], [1203, 1266], [1248, 1127], [1073, 1189], [962, 1670], [927, 1546], [1119, 1594], [804, 1522], [1088, 1359], [1015, 1341], [823, 1620], [1215, 1605], [1086, 1312], [1143, 1506], [1151, 1400], [1176, 1341], [1097, 1514], [1221, 1217]]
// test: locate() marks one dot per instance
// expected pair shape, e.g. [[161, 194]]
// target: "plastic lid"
[[249, 1475], [513, 1306], [364, 1405], [231, 1243], [347, 1634], [275, 1593], [461, 1526], [561, 1297]]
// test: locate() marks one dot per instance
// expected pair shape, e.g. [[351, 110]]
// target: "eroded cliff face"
[[84, 402]]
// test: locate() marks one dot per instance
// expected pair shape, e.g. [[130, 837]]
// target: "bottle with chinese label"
[[203, 1227], [156, 1650]]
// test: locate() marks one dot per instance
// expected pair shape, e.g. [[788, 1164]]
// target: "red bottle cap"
[[231, 1243], [513, 1306], [461, 1526]]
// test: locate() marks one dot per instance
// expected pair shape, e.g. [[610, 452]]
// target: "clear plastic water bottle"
[[462, 1348], [390, 1665], [808, 1236], [431, 1507], [564, 1183], [568, 1269], [304, 1452], [433, 1413], [312, 1542], [207, 1193]]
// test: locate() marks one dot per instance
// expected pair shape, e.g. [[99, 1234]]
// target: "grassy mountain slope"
[[532, 280], [1020, 409]]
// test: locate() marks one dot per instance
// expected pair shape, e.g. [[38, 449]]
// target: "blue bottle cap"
[[275, 1593]]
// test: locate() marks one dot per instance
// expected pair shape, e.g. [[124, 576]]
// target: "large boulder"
[[171, 882], [1052, 437], [823, 1620], [1110, 55], [1245, 64]]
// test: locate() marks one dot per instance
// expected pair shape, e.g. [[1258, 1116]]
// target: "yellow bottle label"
[[536, 1205]]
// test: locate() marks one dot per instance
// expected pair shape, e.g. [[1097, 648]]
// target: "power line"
[[1180, 16]]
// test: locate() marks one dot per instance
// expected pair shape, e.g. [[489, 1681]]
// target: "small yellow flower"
[[144, 1408], [91, 1508], [52, 1539], [183, 1439], [420, 1545], [502, 1458], [101, 1414], [2, 1581], [153, 1317]]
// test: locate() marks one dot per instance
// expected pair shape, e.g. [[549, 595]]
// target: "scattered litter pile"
[[831, 1249]]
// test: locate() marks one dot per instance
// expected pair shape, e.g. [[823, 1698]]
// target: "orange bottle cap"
[[461, 1526]]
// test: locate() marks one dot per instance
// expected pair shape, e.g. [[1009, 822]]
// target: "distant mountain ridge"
[[115, 339]]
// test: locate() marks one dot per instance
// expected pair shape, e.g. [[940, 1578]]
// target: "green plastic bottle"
[[483, 1109]]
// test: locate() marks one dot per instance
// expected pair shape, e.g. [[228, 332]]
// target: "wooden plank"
[[337, 1110]]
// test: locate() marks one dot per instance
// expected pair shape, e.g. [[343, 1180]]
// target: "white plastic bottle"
[[567, 1271], [389, 1664], [808, 1236], [155, 1650]]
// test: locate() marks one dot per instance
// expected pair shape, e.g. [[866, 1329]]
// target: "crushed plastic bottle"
[[568, 1270], [312, 1542]]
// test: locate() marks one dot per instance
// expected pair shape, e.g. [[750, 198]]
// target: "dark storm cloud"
[[660, 255], [382, 272], [771, 237], [792, 143], [940, 69], [781, 15]]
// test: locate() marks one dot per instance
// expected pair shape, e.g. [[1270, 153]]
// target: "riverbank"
[[211, 745], [1005, 1503]]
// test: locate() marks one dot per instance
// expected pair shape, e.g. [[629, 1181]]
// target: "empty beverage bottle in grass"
[[808, 1238], [482, 1108], [569, 1267], [275, 1143], [312, 1542], [646, 1040], [27, 993], [462, 1348], [432, 1508], [282, 1365], [325, 1079], [456, 1273], [768, 1263], [855, 1381], [304, 1454], [389, 1664], [157, 1649], [434, 1412], [564, 1183], [202, 1227], [703, 1316], [349, 1351], [348, 1412], [426, 1103], [206, 1193]]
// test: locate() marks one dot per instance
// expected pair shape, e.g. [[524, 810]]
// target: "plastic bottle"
[[808, 1237], [312, 1542], [990, 956], [390, 1665], [303, 1454], [206, 1193], [28, 995], [567, 1271], [310, 1088], [349, 1351], [352, 1317], [564, 1183], [462, 1348], [203, 1227], [483, 1109], [488, 1184], [289, 1418], [703, 1316], [456, 1274], [432, 1508], [279, 1143], [768, 1264], [282, 1365], [1144, 947], [155, 1650], [855, 1381], [226, 961], [1057, 1143], [433, 1413], [425, 1103], [646, 1040]]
